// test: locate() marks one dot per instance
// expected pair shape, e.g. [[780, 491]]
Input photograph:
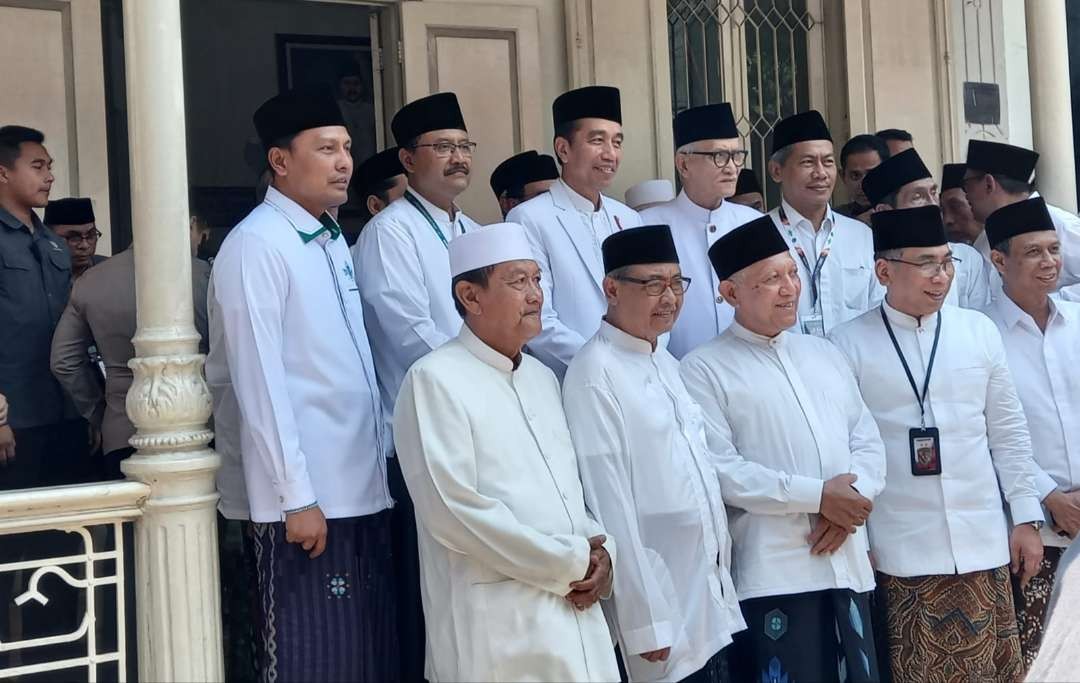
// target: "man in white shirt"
[[648, 475], [834, 253], [567, 224], [903, 182], [404, 279], [522, 177], [998, 174], [1042, 343], [513, 566], [799, 461], [708, 155], [294, 354], [936, 380]]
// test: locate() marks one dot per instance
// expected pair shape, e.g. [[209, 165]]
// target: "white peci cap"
[[650, 192], [488, 246]]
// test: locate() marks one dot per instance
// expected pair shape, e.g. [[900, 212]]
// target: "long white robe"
[[487, 455]]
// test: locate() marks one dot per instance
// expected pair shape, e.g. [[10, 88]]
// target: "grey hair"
[[1003, 246], [619, 272], [781, 155], [887, 254], [685, 149]]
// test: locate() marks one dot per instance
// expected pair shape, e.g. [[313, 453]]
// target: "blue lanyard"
[[431, 221], [815, 272]]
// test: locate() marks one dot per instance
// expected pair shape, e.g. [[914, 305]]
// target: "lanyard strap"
[[815, 272], [929, 365], [431, 221]]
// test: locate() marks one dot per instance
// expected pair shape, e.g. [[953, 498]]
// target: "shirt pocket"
[[857, 282], [17, 275]]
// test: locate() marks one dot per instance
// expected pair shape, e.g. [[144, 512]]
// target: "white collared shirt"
[[289, 348], [695, 229], [782, 416], [566, 232], [404, 273], [952, 522], [501, 520], [847, 285], [649, 479], [1044, 366]]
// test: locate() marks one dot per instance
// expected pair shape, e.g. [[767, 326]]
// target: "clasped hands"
[[597, 581], [843, 509]]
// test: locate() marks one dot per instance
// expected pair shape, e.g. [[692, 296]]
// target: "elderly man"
[[290, 349], [936, 380], [903, 182], [522, 177], [748, 191], [996, 175], [404, 280], [568, 223], [513, 566], [647, 472], [1042, 344], [708, 155], [73, 220], [800, 463], [833, 253]]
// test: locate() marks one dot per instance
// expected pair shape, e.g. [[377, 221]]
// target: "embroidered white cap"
[[488, 246], [650, 192]]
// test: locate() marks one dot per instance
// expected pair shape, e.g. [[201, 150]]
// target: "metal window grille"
[[756, 54]]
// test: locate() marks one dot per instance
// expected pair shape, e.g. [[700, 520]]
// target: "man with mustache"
[[833, 253], [568, 223], [708, 155], [647, 472], [290, 362], [800, 464], [1042, 343], [73, 220], [404, 276], [903, 182], [936, 380], [514, 567]]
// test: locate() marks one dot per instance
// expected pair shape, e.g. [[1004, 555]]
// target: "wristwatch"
[[1037, 524]]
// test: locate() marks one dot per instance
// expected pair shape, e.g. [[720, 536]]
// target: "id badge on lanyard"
[[813, 324], [924, 442]]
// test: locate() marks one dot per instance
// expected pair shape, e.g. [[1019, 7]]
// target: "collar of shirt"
[[624, 340], [479, 348], [799, 222], [576, 201], [755, 338], [435, 212], [699, 213], [9, 220], [1011, 314], [303, 222], [908, 322]]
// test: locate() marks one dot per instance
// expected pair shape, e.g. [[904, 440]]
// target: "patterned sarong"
[[952, 628], [1031, 604], [330, 618]]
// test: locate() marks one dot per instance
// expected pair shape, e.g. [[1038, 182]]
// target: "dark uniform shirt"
[[35, 279]]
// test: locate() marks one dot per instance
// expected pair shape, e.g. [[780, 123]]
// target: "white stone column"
[[176, 567], [1051, 101]]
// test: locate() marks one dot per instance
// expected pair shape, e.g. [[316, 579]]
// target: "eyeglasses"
[[723, 156], [76, 237], [931, 268], [678, 285], [445, 149]]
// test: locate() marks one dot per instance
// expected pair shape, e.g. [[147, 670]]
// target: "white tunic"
[[695, 229], [1045, 369], [952, 522], [782, 416], [404, 274], [289, 339], [501, 520], [649, 480], [847, 285], [970, 286], [566, 233]]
